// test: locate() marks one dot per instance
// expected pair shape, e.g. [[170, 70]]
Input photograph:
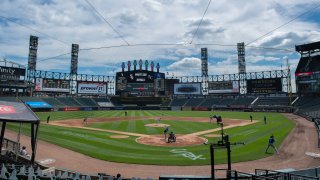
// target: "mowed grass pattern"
[[100, 145], [139, 126]]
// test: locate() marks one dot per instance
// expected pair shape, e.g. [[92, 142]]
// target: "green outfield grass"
[[99, 144]]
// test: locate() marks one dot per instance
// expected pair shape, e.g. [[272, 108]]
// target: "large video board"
[[223, 87], [140, 83], [271, 85], [52, 85], [187, 88], [92, 88]]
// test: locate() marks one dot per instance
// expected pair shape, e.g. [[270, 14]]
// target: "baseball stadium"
[[142, 122]]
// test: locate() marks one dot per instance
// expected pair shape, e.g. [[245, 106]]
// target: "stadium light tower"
[[204, 70], [74, 67], [241, 66], [289, 85], [32, 62]]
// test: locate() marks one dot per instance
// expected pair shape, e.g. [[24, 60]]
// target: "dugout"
[[17, 112]]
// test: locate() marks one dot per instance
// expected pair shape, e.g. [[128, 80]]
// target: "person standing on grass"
[[48, 119], [251, 118], [271, 142], [265, 120]]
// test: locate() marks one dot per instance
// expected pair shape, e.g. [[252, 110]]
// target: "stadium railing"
[[264, 173], [11, 145], [14, 171]]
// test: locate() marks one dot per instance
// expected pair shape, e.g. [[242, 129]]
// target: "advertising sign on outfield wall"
[[92, 88]]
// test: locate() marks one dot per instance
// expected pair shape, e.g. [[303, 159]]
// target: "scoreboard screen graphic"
[[52, 85], [223, 87], [140, 83], [271, 85], [187, 88]]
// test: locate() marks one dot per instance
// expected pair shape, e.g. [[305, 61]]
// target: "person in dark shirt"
[[172, 137], [271, 142], [48, 119]]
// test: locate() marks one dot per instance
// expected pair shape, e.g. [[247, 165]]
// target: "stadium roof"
[[16, 112]]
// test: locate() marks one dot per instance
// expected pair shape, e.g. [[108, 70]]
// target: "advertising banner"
[[92, 88], [11, 73]]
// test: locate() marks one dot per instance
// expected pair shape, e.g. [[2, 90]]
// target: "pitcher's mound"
[[157, 125], [182, 140]]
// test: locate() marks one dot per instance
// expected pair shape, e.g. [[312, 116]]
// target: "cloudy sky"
[[110, 32]]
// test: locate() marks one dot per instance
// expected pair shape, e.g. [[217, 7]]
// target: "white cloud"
[[152, 5], [156, 22], [131, 17], [184, 52], [229, 61], [256, 59], [188, 66]]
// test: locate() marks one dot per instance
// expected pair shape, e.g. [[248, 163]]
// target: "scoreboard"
[[223, 87], [52, 85], [271, 85], [140, 83]]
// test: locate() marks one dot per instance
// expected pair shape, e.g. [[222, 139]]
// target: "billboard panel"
[[271, 85], [11, 73], [223, 87], [92, 88], [187, 88], [52, 85]]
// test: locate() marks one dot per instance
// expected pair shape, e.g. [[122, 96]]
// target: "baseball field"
[[138, 137]]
